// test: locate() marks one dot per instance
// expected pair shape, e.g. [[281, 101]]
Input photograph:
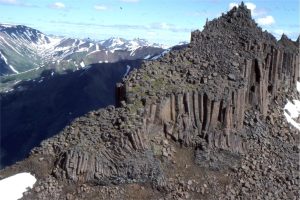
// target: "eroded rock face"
[[196, 96], [103, 148], [202, 92], [214, 96]]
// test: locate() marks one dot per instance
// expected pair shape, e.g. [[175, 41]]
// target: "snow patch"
[[7, 25], [292, 110], [74, 43], [27, 34], [16, 82], [84, 49], [82, 64], [147, 57], [132, 53], [161, 55], [116, 42], [80, 42], [29, 70], [115, 49], [7, 91], [13, 187], [4, 58], [127, 70], [92, 52], [10, 46], [13, 69]]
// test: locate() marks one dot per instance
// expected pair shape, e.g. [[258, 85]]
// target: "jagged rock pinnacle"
[[284, 37], [287, 42], [237, 19], [241, 11], [219, 97], [235, 24]]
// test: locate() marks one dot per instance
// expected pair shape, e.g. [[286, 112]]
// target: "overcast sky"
[[164, 21]]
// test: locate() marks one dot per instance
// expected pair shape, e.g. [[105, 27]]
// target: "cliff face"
[[197, 97], [204, 91], [212, 97]]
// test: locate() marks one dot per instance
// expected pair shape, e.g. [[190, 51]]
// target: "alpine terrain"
[[203, 122], [26, 52]]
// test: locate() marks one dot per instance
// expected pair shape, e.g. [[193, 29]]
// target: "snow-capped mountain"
[[24, 49], [114, 44]]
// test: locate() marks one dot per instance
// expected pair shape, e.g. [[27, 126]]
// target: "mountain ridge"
[[58, 100], [24, 42], [203, 122]]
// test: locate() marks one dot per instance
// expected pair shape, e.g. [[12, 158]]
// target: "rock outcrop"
[[203, 92], [110, 151], [215, 97], [197, 97]]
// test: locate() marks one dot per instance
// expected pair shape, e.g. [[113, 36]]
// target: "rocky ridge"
[[58, 100], [205, 122]]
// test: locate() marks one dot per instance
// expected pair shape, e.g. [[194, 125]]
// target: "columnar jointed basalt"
[[188, 116], [105, 147], [198, 96], [202, 92]]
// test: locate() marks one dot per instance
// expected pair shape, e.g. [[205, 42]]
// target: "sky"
[[162, 21]]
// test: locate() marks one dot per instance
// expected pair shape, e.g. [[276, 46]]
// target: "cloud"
[[231, 5], [151, 33], [250, 6], [151, 27], [100, 7], [281, 31], [202, 13], [167, 27], [130, 1], [259, 12], [9, 2], [161, 26], [164, 25], [57, 5], [254, 10], [263, 20], [86, 24], [17, 3], [267, 20], [292, 34]]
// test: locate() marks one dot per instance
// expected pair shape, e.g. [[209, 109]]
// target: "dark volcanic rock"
[[204, 122], [39, 109]]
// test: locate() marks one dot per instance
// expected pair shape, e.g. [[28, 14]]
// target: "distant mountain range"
[[23, 48], [26, 52]]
